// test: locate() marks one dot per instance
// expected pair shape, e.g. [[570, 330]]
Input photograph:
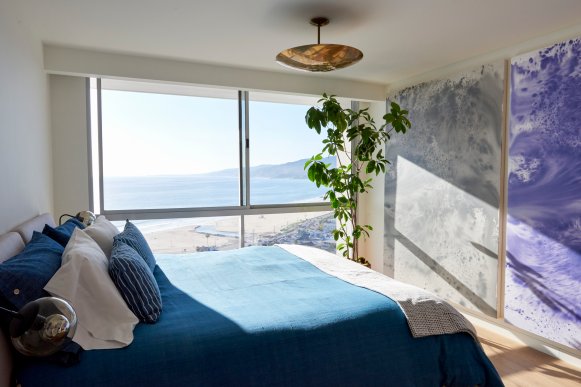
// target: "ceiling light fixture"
[[319, 57]]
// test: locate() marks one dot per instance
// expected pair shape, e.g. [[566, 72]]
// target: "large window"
[[281, 144], [163, 150], [206, 168]]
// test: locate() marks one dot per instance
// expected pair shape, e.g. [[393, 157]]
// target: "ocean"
[[160, 192]]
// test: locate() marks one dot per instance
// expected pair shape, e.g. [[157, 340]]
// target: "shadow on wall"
[[447, 276], [442, 191], [441, 238]]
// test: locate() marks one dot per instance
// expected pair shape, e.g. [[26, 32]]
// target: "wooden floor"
[[520, 365]]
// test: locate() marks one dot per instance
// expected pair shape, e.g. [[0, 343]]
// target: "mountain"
[[290, 170]]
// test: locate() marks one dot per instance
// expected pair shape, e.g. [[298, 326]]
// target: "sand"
[[185, 239]]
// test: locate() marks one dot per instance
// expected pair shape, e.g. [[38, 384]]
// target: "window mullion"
[[242, 161], [241, 149], [89, 144], [244, 158], [247, 146], [100, 145]]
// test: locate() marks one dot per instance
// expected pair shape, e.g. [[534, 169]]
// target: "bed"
[[265, 316]]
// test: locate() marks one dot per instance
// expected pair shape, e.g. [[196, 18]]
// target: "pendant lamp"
[[319, 57]]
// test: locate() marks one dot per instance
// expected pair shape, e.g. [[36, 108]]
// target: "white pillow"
[[102, 231], [104, 320]]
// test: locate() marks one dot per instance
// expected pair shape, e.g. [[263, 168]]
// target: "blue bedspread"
[[261, 316]]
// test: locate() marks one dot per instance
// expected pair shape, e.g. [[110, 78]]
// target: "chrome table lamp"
[[42, 327]]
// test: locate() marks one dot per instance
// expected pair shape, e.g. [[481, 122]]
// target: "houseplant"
[[355, 129]]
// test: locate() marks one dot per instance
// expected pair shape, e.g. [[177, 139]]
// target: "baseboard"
[[500, 327]]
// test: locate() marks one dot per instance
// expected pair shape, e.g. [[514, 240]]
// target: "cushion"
[[23, 276], [102, 231], [11, 244], [62, 233], [134, 238], [58, 236], [104, 320], [27, 228], [135, 282]]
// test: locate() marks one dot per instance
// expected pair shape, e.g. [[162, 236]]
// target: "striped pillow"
[[135, 282], [134, 238]]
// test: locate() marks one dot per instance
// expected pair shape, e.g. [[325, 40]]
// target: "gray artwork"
[[442, 192]]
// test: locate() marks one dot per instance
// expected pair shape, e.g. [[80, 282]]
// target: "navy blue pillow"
[[59, 236], [134, 238], [70, 225], [23, 277], [62, 233], [135, 282]]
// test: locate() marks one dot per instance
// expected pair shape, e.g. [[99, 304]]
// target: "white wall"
[[505, 53], [69, 144], [81, 62], [25, 150], [371, 203]]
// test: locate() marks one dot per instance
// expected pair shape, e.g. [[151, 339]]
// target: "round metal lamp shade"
[[43, 327], [319, 57]]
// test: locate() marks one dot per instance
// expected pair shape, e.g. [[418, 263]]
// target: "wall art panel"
[[442, 191], [543, 274]]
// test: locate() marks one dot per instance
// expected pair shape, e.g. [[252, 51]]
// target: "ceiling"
[[399, 38]]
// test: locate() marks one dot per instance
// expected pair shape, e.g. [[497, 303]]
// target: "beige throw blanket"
[[426, 314]]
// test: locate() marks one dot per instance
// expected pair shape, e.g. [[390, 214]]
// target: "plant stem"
[[344, 181]]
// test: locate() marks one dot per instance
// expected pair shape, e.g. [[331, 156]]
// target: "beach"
[[285, 184], [221, 233]]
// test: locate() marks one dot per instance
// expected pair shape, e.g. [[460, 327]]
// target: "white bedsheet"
[[426, 314]]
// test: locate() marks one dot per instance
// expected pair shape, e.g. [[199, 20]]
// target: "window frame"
[[244, 206]]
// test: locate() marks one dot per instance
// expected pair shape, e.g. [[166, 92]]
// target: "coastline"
[[221, 233]]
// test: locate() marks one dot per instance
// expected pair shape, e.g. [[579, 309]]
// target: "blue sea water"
[[159, 192]]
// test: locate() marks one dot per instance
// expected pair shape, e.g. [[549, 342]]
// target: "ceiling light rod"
[[319, 22]]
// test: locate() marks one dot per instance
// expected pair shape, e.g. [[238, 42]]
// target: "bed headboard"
[[11, 244]]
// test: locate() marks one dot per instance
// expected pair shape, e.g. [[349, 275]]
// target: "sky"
[[160, 134]]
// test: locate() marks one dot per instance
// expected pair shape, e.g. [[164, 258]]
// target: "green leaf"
[[311, 173], [354, 130]]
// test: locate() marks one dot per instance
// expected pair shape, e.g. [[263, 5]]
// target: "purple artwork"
[[543, 273]]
